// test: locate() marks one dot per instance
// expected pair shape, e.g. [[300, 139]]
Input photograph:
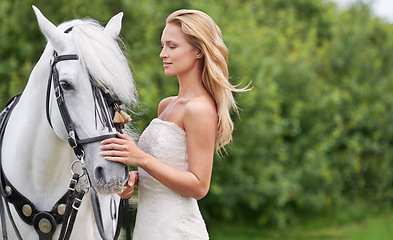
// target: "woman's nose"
[[163, 54]]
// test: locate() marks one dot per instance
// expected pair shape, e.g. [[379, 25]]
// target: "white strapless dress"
[[162, 213]]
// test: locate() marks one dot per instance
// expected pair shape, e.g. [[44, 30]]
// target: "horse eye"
[[66, 86]]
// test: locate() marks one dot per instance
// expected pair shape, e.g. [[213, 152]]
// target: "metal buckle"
[[58, 93], [77, 204], [73, 184], [71, 139]]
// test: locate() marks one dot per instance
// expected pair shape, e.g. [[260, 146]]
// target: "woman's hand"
[[122, 149], [128, 190]]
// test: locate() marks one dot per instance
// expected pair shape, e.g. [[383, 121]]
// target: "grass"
[[374, 227], [357, 222], [344, 226]]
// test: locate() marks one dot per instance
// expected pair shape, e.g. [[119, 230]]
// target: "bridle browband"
[[72, 199]]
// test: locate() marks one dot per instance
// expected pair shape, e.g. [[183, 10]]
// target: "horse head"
[[93, 78]]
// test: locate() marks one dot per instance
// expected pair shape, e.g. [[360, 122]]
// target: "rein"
[[65, 210]]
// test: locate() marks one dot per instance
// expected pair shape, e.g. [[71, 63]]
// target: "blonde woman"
[[175, 153]]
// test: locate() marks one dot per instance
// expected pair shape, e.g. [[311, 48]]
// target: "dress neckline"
[[168, 123]]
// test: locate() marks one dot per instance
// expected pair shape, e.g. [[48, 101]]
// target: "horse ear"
[[113, 27], [54, 35]]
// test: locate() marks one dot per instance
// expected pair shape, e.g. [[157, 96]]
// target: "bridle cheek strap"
[[53, 74]]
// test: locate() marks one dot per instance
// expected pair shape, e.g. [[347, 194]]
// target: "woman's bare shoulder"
[[201, 110], [164, 103]]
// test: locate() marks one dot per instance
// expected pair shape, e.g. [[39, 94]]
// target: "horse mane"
[[104, 58]]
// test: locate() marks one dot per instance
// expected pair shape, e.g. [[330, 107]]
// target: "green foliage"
[[359, 222], [314, 133]]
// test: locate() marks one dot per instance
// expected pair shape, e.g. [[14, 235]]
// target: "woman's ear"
[[199, 54]]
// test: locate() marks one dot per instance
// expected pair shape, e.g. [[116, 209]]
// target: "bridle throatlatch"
[[66, 208]]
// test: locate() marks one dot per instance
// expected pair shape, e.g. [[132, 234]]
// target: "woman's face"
[[179, 56]]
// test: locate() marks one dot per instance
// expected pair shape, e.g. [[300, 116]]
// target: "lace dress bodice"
[[162, 213]]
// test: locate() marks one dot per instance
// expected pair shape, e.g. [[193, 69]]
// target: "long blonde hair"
[[206, 36]]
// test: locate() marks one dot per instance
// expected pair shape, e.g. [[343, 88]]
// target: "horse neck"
[[34, 159]]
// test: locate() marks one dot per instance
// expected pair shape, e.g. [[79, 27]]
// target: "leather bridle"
[[72, 138]]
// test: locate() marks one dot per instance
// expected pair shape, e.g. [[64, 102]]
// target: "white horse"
[[36, 156]]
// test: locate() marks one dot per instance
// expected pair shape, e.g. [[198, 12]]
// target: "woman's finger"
[[112, 146], [127, 192], [113, 140], [116, 159], [123, 136], [133, 179], [113, 153]]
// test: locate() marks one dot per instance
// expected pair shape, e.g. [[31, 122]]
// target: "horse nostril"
[[99, 174]]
